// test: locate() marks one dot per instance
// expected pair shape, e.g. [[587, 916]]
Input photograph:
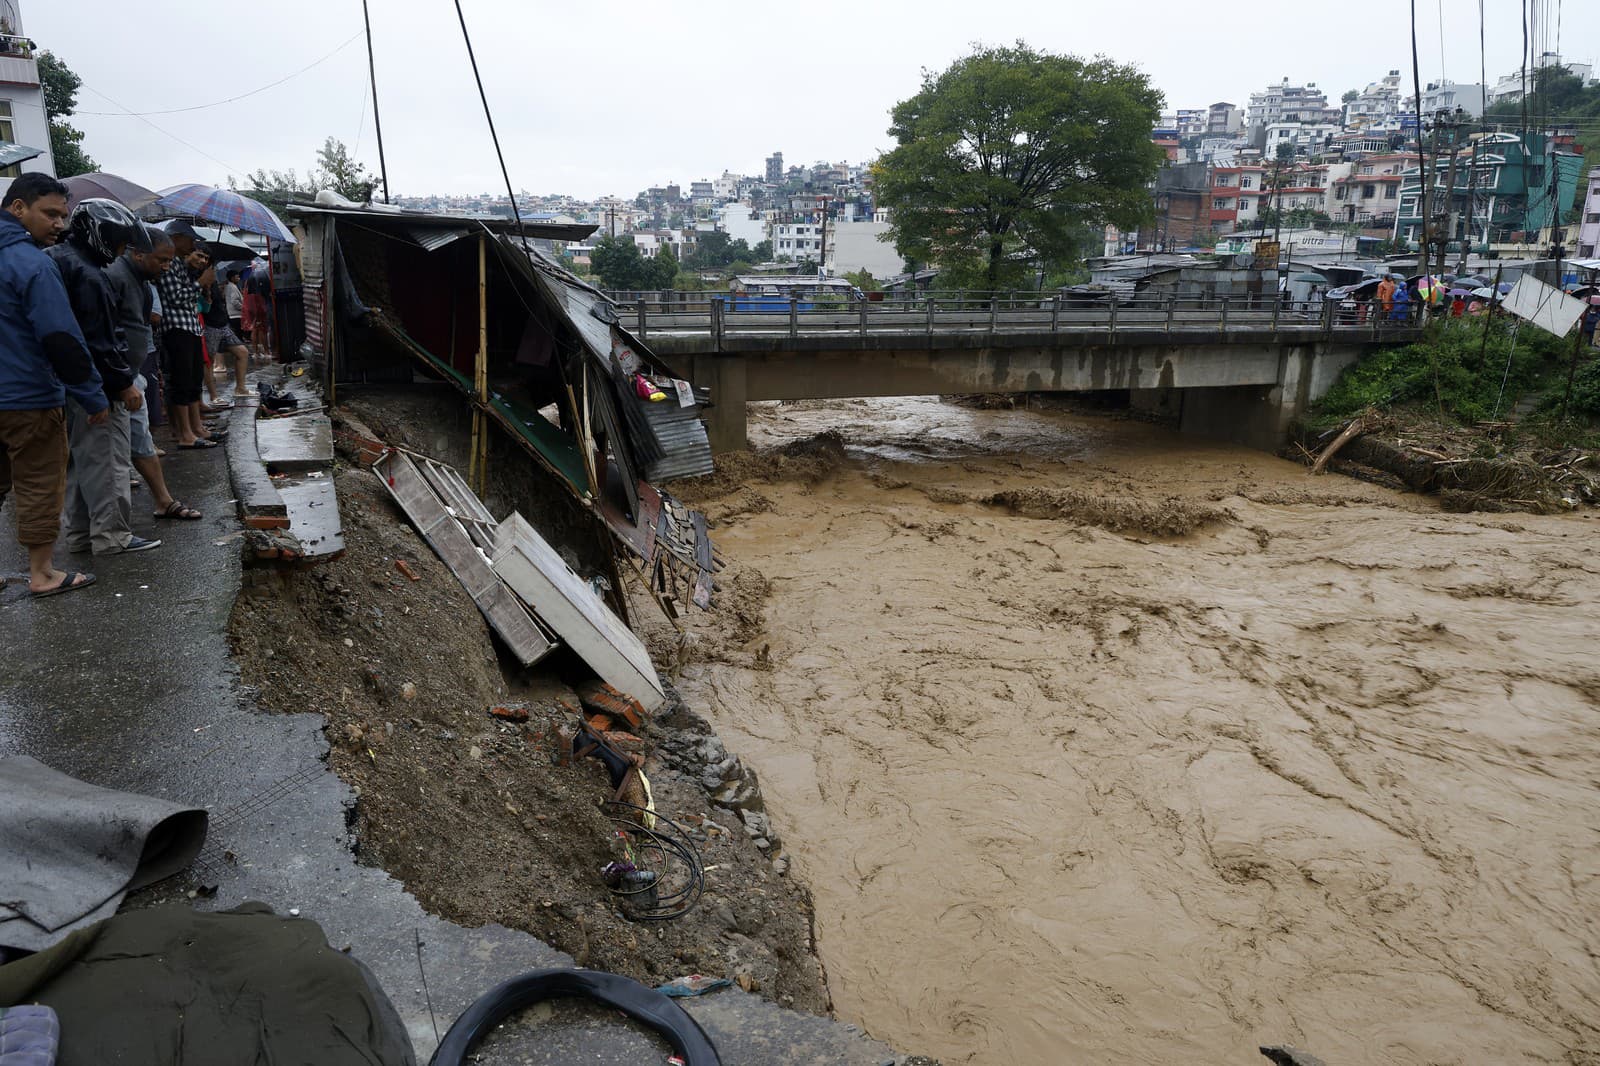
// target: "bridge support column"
[[1259, 416], [725, 422]]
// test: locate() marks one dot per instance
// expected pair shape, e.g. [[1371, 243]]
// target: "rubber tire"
[[644, 1005]]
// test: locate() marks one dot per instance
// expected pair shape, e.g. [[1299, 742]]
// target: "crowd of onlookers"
[[110, 328]]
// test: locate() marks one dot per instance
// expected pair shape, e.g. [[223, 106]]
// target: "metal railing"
[[725, 316]]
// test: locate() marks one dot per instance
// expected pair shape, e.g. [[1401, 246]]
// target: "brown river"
[[1071, 785]]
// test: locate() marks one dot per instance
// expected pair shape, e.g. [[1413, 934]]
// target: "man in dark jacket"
[[43, 357], [98, 507]]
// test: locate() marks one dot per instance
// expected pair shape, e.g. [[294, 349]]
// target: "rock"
[[763, 843], [474, 752], [780, 865], [748, 982], [408, 691]]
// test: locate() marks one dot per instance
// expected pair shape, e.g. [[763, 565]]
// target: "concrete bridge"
[[1238, 369]]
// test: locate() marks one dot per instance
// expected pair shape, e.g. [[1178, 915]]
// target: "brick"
[[511, 712], [599, 696], [600, 722]]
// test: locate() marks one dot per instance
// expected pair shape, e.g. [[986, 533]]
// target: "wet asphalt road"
[[129, 685]]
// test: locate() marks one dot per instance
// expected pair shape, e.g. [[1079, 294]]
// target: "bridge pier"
[[726, 423], [1258, 416]]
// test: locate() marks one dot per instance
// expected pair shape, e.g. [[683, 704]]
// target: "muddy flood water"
[[1324, 770]]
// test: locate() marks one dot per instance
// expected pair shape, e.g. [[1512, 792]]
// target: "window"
[[1593, 216], [1389, 191], [1224, 180], [1342, 193], [5, 121], [1222, 204], [1367, 169], [1368, 192], [1246, 182]]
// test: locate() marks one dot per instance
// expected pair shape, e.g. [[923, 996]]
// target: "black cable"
[[678, 843], [521, 231]]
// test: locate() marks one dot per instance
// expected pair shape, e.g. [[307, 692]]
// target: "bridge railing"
[[732, 315]]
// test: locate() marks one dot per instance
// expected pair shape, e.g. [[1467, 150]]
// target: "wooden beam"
[[478, 469]]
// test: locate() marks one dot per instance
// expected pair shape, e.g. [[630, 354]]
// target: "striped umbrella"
[[224, 207]]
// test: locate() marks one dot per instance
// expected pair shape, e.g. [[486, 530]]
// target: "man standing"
[[224, 345], [97, 515], [180, 340], [130, 276], [42, 357]]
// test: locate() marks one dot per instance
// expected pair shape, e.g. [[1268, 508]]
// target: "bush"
[[1453, 360]]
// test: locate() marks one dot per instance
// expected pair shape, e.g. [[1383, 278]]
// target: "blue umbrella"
[[224, 207]]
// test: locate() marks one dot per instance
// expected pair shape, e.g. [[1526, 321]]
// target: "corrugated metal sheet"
[[433, 238], [683, 439]]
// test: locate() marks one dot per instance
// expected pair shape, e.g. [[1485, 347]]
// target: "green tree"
[[60, 86], [337, 170], [663, 269], [619, 264], [863, 280], [1350, 96], [762, 252], [1000, 157]]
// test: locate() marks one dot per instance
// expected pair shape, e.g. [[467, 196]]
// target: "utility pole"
[[1425, 178], [1449, 214], [1472, 197], [372, 72], [822, 254]]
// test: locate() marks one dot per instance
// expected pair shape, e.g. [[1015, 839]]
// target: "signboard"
[[1542, 305], [1267, 255]]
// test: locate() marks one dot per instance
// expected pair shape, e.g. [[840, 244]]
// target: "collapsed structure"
[[534, 351]]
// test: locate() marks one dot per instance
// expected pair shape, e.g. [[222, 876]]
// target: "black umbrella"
[[129, 194]]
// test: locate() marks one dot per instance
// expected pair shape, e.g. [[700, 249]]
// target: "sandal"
[[70, 583], [179, 511], [199, 444]]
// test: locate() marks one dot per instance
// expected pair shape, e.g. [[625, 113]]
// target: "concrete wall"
[[854, 246]]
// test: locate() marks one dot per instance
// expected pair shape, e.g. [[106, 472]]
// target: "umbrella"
[[224, 247], [108, 187], [1504, 286], [1472, 281], [1429, 288], [1485, 293], [1460, 292], [224, 207]]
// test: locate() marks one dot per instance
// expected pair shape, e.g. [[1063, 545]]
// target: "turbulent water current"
[[1071, 784]]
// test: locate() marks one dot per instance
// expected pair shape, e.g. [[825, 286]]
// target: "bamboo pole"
[[478, 471]]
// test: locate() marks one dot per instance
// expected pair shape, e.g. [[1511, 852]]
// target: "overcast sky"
[[609, 97]]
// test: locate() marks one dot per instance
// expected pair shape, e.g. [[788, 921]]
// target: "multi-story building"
[[1289, 103], [1502, 195], [1369, 194], [1589, 224], [22, 116], [1307, 138], [1511, 88], [1378, 107], [1307, 186], [775, 168], [1236, 195], [797, 237], [1223, 119], [1448, 95], [1191, 122]]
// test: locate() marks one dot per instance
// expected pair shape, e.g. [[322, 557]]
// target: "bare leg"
[[42, 574], [241, 370], [149, 468]]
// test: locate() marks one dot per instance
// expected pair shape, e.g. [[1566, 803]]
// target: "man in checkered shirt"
[[182, 355]]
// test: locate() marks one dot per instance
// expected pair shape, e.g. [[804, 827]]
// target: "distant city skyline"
[[599, 114]]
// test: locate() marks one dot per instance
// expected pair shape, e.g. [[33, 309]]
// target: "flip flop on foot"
[[198, 444], [179, 511], [74, 581]]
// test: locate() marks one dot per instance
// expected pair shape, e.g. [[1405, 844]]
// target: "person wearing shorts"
[[183, 362]]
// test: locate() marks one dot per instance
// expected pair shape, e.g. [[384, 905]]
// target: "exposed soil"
[[483, 819]]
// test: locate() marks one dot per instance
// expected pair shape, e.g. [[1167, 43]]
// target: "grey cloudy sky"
[[610, 97]]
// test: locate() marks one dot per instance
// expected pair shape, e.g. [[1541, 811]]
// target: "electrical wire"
[[229, 100], [162, 130], [467, 37]]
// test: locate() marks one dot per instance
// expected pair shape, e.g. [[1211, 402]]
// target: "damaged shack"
[[397, 300]]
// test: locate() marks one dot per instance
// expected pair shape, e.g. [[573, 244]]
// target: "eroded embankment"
[[1316, 766]]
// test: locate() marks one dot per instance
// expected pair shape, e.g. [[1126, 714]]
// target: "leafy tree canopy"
[[1003, 156], [60, 87], [336, 169], [619, 264]]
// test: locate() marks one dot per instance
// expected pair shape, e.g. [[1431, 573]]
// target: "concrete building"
[[1377, 107], [797, 237], [1510, 87], [741, 222], [1191, 122], [1307, 138], [854, 246], [775, 168], [1289, 103], [1369, 194], [1589, 222], [22, 115], [1448, 95], [1224, 119], [1236, 195], [1502, 182]]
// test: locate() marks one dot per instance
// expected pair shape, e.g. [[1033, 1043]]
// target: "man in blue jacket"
[[43, 357]]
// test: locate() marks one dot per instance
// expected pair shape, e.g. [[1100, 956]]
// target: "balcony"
[[17, 65]]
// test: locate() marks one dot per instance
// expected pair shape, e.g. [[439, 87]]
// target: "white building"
[[1306, 137], [1589, 221], [797, 240], [854, 246], [1377, 106], [741, 223], [22, 115], [1449, 95], [1288, 103], [1511, 88]]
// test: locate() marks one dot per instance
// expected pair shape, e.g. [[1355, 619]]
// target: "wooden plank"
[[449, 540], [566, 603]]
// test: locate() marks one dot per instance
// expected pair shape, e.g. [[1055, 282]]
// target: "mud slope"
[[1321, 770]]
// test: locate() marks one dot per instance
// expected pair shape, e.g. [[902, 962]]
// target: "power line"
[[162, 130], [465, 36], [229, 100]]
